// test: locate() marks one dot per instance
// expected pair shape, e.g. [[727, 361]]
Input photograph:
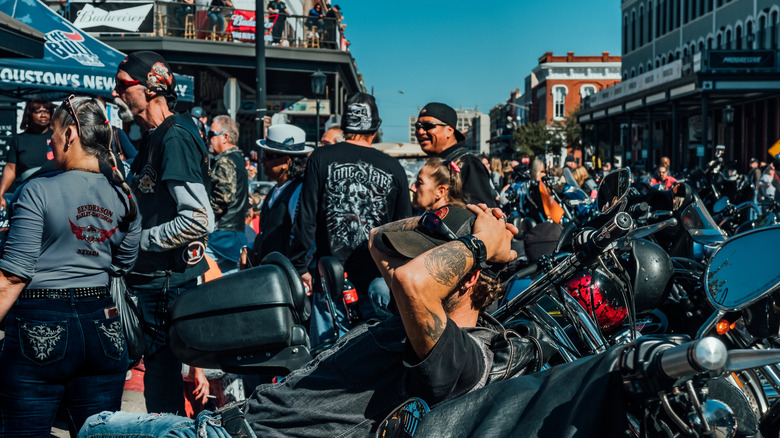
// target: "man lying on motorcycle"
[[443, 270]]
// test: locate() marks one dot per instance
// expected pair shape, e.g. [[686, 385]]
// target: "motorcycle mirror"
[[720, 205], [742, 271], [613, 189]]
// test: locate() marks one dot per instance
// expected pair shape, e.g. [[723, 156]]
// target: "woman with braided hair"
[[438, 183], [69, 231]]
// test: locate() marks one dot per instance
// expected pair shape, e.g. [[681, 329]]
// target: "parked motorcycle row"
[[674, 289]]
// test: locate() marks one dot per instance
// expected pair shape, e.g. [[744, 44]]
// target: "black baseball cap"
[[445, 113], [412, 243], [152, 70]]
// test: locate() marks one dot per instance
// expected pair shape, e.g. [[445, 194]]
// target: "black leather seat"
[[248, 322]]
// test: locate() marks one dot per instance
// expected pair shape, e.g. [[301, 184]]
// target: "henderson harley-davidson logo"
[[91, 233]]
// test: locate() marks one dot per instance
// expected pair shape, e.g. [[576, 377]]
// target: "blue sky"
[[466, 53]]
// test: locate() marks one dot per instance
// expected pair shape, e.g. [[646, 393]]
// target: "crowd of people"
[[188, 202], [426, 259]]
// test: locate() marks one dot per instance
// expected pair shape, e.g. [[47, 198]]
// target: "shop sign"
[[742, 59], [296, 105], [242, 26], [114, 17]]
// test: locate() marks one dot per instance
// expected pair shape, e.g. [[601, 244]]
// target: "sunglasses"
[[122, 85], [427, 126], [213, 134], [433, 226], [68, 106]]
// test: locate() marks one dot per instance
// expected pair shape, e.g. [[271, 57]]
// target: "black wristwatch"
[[478, 250]]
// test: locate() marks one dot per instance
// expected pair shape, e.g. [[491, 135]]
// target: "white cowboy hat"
[[285, 139]]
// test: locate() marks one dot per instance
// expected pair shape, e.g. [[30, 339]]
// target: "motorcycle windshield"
[[700, 225]]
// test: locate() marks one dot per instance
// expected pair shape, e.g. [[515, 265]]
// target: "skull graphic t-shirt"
[[347, 191]]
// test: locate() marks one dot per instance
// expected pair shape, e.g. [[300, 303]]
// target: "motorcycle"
[[652, 386]]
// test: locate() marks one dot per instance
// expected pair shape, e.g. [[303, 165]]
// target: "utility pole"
[[260, 91]]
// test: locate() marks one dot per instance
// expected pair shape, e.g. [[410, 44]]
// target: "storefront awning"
[[18, 40], [73, 61]]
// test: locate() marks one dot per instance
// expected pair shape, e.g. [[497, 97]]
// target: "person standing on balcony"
[[280, 10]]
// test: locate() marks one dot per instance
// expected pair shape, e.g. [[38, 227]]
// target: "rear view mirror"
[[613, 189], [743, 270]]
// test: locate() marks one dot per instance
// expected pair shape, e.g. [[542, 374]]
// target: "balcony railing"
[[183, 20]]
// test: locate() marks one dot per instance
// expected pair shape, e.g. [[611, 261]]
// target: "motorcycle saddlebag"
[[249, 321]]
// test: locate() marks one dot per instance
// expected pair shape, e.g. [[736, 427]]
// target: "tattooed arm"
[[421, 285], [384, 259]]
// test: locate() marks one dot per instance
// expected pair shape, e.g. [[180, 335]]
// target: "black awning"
[[18, 40]]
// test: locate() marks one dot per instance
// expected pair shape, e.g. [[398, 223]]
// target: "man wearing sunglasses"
[[229, 195], [437, 133], [171, 175]]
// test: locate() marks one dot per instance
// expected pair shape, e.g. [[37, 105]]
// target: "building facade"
[[216, 50], [697, 73], [554, 90]]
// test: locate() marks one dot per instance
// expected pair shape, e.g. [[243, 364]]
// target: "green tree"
[[570, 129], [530, 139]]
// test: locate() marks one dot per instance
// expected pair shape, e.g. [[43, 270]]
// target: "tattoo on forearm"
[[434, 331], [196, 230], [447, 263]]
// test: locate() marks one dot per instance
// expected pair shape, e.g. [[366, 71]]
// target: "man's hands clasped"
[[493, 230]]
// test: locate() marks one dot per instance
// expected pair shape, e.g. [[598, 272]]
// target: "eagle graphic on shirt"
[[91, 233]]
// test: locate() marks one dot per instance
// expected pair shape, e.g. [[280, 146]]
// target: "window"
[[774, 23], [658, 19], [761, 32], [709, 43], [738, 37], [587, 90], [686, 5], [728, 39], [749, 35], [559, 102], [633, 30], [701, 46], [676, 13], [625, 34], [650, 35], [641, 26]]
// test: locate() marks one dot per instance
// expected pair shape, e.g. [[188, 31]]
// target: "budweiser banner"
[[112, 17], [242, 26]]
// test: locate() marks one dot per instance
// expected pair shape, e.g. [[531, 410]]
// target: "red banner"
[[242, 26]]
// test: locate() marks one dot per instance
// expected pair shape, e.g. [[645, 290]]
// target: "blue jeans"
[[56, 352], [216, 21], [130, 425], [163, 384]]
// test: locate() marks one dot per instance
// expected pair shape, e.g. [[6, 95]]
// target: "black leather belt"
[[59, 294]]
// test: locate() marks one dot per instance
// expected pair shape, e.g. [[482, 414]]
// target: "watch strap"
[[478, 250]]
